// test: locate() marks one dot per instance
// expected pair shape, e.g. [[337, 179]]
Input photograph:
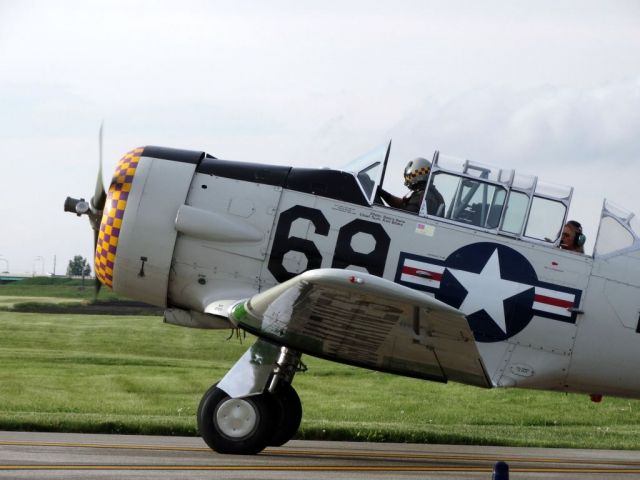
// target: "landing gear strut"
[[245, 425]]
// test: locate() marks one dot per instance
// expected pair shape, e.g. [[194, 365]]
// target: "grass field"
[[8, 302], [58, 287], [137, 375]]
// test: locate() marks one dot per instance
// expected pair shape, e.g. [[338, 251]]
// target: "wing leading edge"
[[364, 320]]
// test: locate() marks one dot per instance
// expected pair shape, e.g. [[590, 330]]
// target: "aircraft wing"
[[364, 320]]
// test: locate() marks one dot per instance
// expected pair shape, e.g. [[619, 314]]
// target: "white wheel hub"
[[236, 417]]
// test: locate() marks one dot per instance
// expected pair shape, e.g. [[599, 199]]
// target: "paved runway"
[[85, 456]]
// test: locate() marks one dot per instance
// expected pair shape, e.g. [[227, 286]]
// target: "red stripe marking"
[[556, 302], [417, 272]]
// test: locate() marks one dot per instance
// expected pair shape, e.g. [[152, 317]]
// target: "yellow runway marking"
[[449, 456], [334, 453], [302, 468], [589, 466], [121, 446]]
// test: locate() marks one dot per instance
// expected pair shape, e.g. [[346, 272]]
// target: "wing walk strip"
[[327, 453]]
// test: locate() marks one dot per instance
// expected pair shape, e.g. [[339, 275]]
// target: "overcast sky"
[[550, 88]]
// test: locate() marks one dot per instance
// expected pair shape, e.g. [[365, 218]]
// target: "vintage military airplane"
[[311, 263]]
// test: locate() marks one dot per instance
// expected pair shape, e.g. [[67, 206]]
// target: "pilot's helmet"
[[416, 172]]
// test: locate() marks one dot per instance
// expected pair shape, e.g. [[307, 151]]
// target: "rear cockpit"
[[499, 200]]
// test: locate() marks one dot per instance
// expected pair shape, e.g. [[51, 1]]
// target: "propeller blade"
[[92, 209], [99, 196], [98, 284]]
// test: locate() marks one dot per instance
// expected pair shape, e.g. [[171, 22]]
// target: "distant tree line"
[[78, 267]]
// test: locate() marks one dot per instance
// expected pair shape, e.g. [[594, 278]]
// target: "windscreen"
[[619, 230], [369, 169]]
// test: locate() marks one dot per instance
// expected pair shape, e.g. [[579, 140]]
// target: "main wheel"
[[241, 426], [289, 414]]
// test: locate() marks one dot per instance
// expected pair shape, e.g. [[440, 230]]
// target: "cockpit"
[[500, 200], [481, 196]]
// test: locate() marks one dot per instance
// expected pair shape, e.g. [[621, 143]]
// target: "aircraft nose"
[[111, 224]]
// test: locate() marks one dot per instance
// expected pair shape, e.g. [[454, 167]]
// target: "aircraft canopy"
[[619, 230]]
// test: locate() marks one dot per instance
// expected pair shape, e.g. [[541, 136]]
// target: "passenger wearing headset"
[[572, 237]]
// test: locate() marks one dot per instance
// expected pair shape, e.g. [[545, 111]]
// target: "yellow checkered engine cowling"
[[112, 216]]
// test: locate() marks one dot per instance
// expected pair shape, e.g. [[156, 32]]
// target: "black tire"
[[242, 426], [289, 414]]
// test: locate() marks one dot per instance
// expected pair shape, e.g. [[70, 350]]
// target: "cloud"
[[542, 126], [582, 137], [310, 85]]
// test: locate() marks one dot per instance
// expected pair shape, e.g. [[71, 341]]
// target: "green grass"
[[60, 287], [11, 302], [136, 375]]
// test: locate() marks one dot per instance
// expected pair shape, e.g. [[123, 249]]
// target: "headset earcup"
[[581, 238]]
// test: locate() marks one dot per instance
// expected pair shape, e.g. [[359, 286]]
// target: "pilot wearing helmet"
[[416, 174]]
